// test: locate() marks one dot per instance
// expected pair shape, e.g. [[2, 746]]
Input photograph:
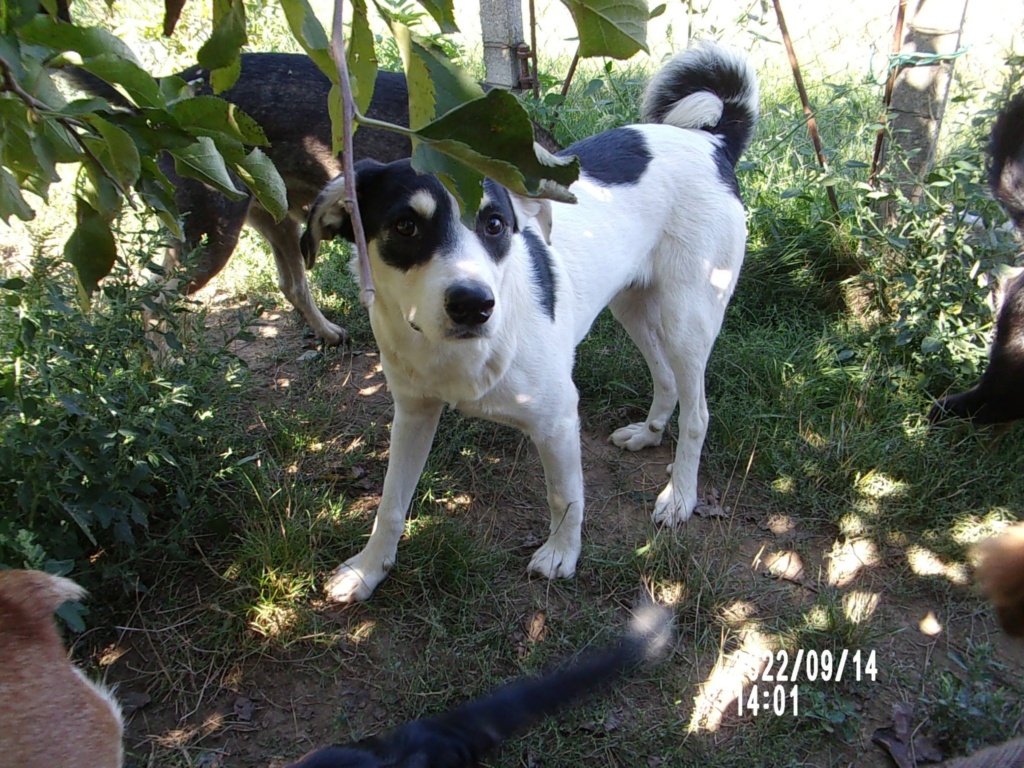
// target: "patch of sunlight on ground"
[[732, 672], [847, 559], [877, 485], [924, 562]]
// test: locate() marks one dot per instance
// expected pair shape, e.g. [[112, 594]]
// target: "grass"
[[831, 352]]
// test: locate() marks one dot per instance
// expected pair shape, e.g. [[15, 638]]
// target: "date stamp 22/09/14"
[[776, 691]]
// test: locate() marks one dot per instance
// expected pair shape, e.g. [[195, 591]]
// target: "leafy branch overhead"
[[458, 131]]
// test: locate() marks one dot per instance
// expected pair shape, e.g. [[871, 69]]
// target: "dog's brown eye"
[[494, 226], [405, 227]]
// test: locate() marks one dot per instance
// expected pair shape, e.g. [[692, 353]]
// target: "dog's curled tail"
[[29, 598], [1000, 574], [708, 88], [1006, 173]]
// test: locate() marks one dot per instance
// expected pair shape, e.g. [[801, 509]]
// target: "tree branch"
[[366, 289]]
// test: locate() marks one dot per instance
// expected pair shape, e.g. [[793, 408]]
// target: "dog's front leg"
[[558, 443], [412, 433]]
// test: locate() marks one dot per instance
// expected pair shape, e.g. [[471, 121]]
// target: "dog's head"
[[444, 277]]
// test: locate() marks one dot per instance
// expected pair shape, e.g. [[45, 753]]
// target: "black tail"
[[1006, 174], [708, 88], [462, 737]]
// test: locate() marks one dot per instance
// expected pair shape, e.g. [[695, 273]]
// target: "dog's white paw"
[[635, 437], [673, 506], [555, 560], [351, 582]]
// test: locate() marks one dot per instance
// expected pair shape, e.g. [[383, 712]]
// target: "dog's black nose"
[[469, 303]]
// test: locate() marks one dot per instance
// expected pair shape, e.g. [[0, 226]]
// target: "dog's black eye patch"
[[495, 221], [409, 216]]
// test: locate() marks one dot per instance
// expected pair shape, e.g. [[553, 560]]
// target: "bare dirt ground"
[[356, 674]]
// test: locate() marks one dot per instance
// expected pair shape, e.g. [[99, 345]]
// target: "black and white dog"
[[999, 395], [487, 319], [287, 94], [462, 737]]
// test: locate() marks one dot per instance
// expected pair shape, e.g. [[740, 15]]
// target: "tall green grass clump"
[[98, 446]]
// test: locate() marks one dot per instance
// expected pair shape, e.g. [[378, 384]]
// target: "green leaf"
[[308, 32], [494, 135], [137, 82], [443, 12], [121, 156], [65, 149], [436, 86], [259, 174], [86, 41], [203, 161], [213, 115], [73, 615], [14, 13], [153, 130], [361, 57], [224, 44], [93, 185], [91, 249], [613, 28], [225, 77], [11, 201], [27, 153], [157, 192], [462, 180]]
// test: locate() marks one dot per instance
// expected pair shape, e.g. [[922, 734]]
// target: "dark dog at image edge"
[[999, 394], [466, 735], [51, 715], [287, 95], [487, 319]]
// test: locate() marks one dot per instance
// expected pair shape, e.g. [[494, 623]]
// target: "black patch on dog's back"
[[615, 157], [543, 274]]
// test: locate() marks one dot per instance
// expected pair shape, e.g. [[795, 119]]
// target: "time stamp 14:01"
[[776, 690]]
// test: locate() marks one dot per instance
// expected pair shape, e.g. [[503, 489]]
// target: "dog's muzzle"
[[469, 305]]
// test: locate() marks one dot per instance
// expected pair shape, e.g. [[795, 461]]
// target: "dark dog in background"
[[464, 736], [50, 713], [999, 395], [287, 95]]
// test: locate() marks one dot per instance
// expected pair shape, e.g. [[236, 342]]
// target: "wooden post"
[[922, 85], [501, 22]]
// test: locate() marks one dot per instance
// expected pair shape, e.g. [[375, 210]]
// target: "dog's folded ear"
[[533, 209], [35, 595], [327, 219]]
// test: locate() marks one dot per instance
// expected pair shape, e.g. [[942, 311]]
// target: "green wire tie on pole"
[[899, 60]]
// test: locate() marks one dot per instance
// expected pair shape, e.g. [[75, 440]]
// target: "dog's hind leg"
[[558, 442], [412, 433], [689, 336], [283, 237], [639, 314]]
